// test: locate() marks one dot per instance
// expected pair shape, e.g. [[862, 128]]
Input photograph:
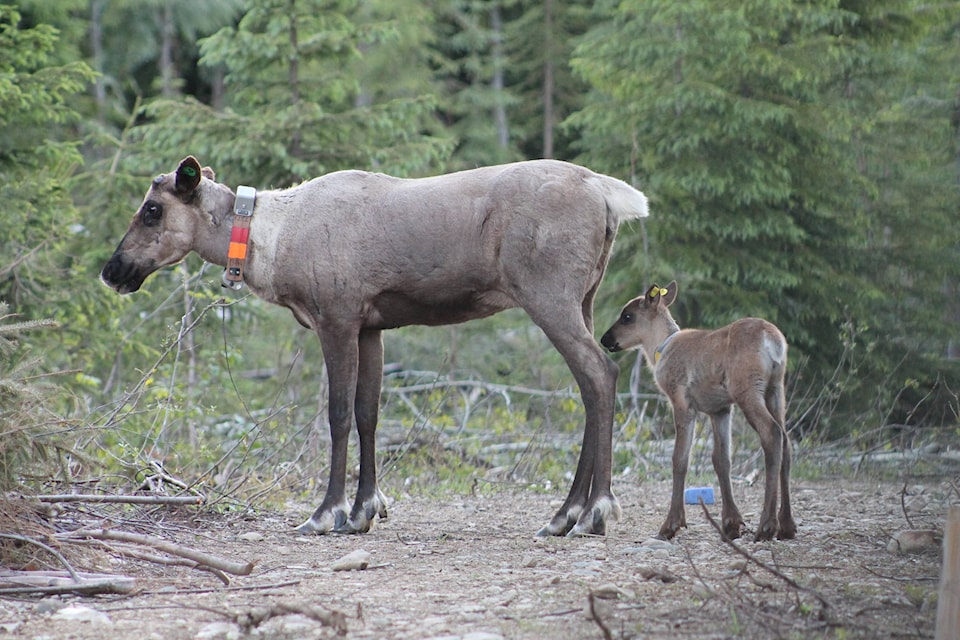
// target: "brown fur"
[[743, 364], [353, 253]]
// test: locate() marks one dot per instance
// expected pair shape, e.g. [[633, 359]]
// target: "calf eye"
[[626, 318], [151, 213]]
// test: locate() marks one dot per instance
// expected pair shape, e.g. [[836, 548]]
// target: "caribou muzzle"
[[124, 275]]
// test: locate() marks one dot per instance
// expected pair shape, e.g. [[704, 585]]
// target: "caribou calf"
[[354, 253], [741, 364]]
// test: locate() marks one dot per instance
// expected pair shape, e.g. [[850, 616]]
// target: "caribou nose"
[[609, 342]]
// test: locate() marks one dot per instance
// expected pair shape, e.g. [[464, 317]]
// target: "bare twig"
[[56, 554], [251, 618], [247, 587], [903, 505], [62, 582], [763, 565], [93, 497], [604, 629]]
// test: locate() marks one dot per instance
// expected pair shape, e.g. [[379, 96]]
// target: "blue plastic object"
[[693, 495]]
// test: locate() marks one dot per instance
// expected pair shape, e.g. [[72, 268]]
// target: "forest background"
[[802, 160]]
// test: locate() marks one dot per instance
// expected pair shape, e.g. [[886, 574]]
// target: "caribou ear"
[[653, 293], [208, 173], [671, 295], [188, 175]]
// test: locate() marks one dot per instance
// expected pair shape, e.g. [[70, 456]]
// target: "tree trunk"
[[548, 114], [168, 72], [499, 110], [96, 49]]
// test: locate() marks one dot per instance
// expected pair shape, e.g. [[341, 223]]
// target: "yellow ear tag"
[[662, 292]]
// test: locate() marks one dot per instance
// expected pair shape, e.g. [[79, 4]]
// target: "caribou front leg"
[[340, 353], [370, 501]]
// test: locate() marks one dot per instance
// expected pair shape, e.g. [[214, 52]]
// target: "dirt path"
[[468, 567]]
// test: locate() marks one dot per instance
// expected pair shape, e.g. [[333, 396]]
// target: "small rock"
[[611, 591], [251, 536], [916, 504], [76, 613], [49, 605], [652, 573], [353, 561], [655, 543], [913, 541], [219, 631]]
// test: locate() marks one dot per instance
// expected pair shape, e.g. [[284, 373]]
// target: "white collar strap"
[[239, 237], [663, 345]]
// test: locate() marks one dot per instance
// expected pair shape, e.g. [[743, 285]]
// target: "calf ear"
[[653, 293], [671, 295], [208, 173], [188, 175]]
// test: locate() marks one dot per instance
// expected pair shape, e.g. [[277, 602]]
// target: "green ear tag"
[[190, 171]]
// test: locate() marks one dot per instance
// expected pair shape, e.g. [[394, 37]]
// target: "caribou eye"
[[626, 318], [151, 213]]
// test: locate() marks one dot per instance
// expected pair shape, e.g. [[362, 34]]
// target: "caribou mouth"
[[122, 276]]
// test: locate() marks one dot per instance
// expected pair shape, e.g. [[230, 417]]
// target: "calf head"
[[640, 318], [166, 226]]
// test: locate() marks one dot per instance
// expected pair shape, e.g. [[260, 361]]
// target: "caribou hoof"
[[593, 521], [561, 523], [363, 515], [324, 520]]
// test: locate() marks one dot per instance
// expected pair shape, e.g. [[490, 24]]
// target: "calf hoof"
[[787, 532], [733, 529], [767, 531]]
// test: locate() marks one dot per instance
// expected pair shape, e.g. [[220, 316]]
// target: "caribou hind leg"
[[590, 503]]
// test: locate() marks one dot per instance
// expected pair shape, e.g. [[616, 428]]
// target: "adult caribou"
[[353, 253]]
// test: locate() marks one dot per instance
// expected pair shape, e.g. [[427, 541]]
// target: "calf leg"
[[788, 528], [683, 420], [771, 440], [731, 518], [370, 501], [340, 353], [777, 406]]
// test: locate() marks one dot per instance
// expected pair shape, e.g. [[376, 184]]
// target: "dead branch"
[[251, 618], [246, 587], [604, 629], [171, 562], [903, 505], [96, 498], [63, 582], [201, 558], [763, 565], [56, 554]]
